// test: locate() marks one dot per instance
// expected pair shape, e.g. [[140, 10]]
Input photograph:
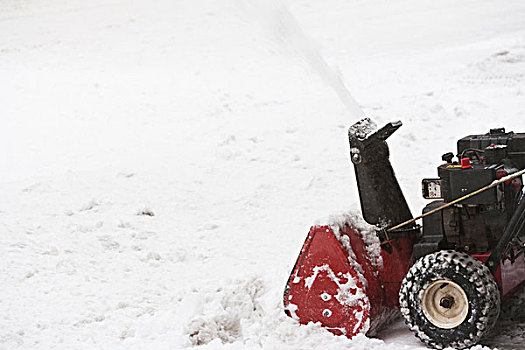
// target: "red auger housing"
[[448, 276]]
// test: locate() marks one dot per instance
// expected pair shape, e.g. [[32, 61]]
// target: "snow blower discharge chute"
[[448, 276]]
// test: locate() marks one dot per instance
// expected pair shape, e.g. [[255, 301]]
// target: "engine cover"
[[457, 182]]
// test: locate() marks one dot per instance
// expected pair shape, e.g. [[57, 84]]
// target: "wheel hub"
[[445, 304]]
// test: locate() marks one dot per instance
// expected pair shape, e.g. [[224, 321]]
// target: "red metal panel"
[[337, 284]]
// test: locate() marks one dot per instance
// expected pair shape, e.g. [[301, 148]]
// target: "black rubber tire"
[[477, 283]]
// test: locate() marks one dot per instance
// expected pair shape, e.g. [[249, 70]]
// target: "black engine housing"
[[476, 224]]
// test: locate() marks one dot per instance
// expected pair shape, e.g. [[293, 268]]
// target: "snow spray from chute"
[[286, 28], [342, 279]]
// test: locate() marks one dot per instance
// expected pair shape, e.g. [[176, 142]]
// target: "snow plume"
[[286, 29]]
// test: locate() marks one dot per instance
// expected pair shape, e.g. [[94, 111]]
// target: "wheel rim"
[[445, 304]]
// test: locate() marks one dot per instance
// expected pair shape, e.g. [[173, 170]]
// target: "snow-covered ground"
[[162, 160]]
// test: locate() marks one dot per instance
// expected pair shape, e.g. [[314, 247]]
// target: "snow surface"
[[162, 161]]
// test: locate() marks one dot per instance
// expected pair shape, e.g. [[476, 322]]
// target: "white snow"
[[162, 161], [361, 130]]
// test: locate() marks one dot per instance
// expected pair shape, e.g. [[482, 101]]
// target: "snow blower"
[[448, 276]]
